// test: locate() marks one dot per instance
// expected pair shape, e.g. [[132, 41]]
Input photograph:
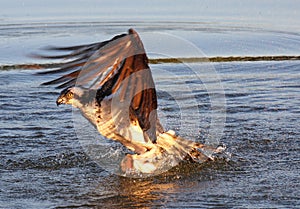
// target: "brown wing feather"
[[117, 65]]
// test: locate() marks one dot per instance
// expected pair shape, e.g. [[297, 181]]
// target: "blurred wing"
[[117, 67]]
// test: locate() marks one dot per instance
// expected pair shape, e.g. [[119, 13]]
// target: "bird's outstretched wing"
[[114, 67]]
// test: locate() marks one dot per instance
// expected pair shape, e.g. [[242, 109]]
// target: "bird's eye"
[[70, 94]]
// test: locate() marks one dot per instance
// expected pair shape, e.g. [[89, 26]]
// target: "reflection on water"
[[155, 191], [133, 193]]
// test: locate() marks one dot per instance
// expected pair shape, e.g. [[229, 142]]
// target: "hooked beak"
[[59, 101]]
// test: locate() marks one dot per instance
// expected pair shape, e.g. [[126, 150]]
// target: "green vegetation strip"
[[223, 59], [167, 60]]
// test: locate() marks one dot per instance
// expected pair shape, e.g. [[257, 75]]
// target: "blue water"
[[43, 163]]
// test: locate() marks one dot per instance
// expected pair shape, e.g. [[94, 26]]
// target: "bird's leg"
[[148, 162]]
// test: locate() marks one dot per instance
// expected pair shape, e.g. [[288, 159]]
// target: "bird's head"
[[71, 96]]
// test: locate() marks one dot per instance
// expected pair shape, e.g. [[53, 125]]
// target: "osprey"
[[112, 85]]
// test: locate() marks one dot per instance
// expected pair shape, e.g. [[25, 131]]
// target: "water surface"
[[43, 163]]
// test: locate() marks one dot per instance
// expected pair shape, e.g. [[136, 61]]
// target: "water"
[[43, 163]]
